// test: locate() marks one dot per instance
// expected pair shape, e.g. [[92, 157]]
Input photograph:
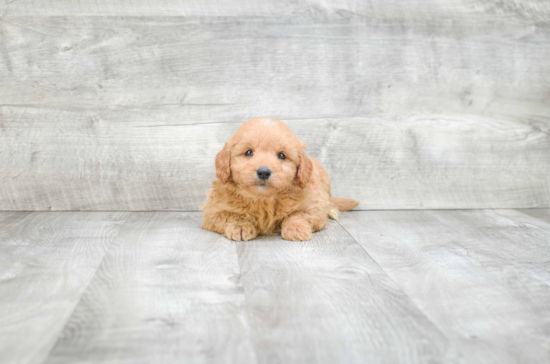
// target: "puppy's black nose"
[[263, 173]]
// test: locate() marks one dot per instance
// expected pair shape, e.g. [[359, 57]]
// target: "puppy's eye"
[[281, 156], [248, 153]]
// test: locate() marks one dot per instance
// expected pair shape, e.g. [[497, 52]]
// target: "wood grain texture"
[[465, 271], [166, 292], [85, 160], [327, 301], [102, 113], [228, 69], [420, 287], [526, 241], [541, 214], [521, 9], [46, 263]]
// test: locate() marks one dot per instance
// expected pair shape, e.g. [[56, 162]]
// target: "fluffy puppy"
[[266, 183]]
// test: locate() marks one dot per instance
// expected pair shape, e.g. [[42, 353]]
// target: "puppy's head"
[[264, 157]]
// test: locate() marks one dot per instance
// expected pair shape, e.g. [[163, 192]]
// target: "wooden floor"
[[439, 286]]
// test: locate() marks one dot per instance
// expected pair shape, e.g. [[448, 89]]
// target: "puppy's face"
[[264, 157]]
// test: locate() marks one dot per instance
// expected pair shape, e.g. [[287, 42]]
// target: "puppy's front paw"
[[296, 231], [240, 232]]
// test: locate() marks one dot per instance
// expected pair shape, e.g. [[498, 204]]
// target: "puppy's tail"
[[344, 204], [340, 204]]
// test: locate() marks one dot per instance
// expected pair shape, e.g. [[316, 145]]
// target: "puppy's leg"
[[232, 226], [299, 226]]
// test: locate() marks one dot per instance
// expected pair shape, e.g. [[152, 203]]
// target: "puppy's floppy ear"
[[223, 163], [304, 169]]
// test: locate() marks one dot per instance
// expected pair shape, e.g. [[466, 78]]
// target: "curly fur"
[[294, 201]]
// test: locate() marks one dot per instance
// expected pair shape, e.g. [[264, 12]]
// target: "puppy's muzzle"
[[263, 173]]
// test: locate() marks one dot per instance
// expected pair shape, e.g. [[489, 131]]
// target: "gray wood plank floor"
[[167, 292], [443, 286], [470, 272], [46, 262]]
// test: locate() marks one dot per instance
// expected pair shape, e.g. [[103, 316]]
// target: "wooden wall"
[[109, 105]]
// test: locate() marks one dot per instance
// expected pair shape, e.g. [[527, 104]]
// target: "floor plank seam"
[[77, 302], [451, 343], [513, 264], [519, 267], [246, 305]]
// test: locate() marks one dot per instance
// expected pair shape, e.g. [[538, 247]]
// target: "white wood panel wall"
[[429, 108]]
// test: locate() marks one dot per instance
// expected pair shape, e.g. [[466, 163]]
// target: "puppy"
[[266, 183]]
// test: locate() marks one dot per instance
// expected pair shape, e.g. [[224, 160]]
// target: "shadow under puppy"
[[266, 183]]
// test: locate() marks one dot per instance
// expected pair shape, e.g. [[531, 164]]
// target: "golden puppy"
[[268, 184]]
